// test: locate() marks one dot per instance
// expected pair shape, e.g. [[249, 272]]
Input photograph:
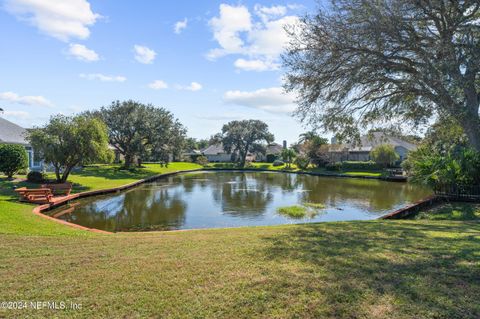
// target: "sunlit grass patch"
[[297, 211], [451, 211]]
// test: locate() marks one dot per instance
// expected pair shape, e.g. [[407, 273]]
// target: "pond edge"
[[38, 210]]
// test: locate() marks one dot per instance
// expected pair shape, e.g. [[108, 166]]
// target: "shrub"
[[13, 158], [333, 166], [35, 177], [384, 155], [369, 165], [278, 163], [302, 161], [271, 158], [202, 160], [460, 166], [288, 155]]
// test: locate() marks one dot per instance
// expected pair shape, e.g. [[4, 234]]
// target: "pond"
[[232, 199]]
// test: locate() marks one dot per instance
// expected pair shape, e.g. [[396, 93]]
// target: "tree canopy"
[[243, 137], [384, 155], [360, 62], [66, 142], [13, 158], [142, 131]]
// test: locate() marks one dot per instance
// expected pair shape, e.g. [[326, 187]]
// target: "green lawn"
[[378, 269], [375, 269]]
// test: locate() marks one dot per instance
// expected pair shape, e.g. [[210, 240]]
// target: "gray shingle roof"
[[274, 148], [214, 150], [11, 132]]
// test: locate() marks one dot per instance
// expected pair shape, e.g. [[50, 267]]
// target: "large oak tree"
[[142, 131], [243, 137], [362, 62]]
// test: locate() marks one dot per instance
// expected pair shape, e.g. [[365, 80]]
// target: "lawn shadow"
[[360, 269]]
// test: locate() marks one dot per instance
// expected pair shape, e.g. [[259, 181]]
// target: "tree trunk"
[[128, 160], [57, 173], [471, 122], [66, 173]]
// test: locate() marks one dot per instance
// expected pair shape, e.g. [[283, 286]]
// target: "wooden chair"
[[62, 189], [35, 195]]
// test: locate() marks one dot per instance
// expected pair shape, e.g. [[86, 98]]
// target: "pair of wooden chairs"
[[45, 194]]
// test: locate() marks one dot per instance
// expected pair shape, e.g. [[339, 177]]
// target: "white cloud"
[[261, 37], [226, 29], [255, 65], [26, 99], [103, 77], [194, 86], [60, 19], [267, 13], [158, 85], [180, 25], [273, 99], [144, 54], [82, 53]]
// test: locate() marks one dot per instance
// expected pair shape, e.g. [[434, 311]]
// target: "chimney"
[[333, 140], [284, 144]]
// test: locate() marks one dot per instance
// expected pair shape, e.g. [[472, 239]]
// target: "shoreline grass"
[[294, 168]]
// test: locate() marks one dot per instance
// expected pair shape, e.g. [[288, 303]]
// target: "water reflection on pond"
[[230, 199]]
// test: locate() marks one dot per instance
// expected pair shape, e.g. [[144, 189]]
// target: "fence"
[[458, 192]]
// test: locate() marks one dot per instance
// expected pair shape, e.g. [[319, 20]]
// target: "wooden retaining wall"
[[414, 208]]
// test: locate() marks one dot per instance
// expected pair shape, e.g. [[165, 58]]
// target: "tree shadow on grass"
[[373, 269]]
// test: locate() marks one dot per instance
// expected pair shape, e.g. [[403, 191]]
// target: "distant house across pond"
[[11, 133], [215, 153], [361, 151]]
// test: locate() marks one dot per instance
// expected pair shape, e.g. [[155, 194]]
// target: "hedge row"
[[353, 165]]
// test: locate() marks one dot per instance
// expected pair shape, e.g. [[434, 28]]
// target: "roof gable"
[[11, 132]]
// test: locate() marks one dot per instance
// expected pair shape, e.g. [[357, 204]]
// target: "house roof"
[[370, 141], [274, 148], [11, 132], [214, 149]]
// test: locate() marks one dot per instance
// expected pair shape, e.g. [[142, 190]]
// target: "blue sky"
[[208, 62]]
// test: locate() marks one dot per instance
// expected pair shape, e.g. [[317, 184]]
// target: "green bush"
[[271, 158], [384, 155], [333, 166], [13, 158], [278, 163], [358, 165], [459, 166], [35, 177], [202, 160], [302, 161]]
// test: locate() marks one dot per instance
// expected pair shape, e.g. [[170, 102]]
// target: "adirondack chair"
[[35, 195], [62, 189]]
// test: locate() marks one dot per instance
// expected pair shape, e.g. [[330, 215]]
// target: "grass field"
[[375, 269]]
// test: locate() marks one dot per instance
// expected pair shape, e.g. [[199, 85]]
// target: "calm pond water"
[[231, 199]]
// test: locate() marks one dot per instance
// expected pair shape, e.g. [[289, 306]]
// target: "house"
[[361, 151], [11, 133], [216, 153], [272, 148]]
